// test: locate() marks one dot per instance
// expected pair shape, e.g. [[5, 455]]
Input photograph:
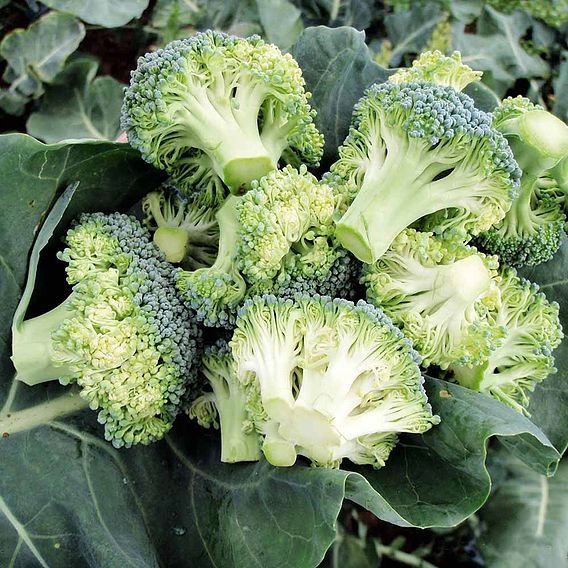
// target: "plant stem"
[[403, 557], [29, 418]]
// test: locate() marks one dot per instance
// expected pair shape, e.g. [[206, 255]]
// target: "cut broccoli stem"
[[173, 242], [236, 445], [31, 347], [227, 219]]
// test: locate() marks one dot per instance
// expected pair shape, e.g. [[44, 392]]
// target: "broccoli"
[[328, 379], [217, 107], [214, 293], [441, 293], [435, 67], [226, 405], [533, 228], [123, 335], [525, 357], [182, 230], [553, 12], [415, 149], [287, 242]]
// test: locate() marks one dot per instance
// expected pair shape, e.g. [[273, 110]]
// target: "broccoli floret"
[[122, 335], [441, 293], [435, 67], [241, 102], [213, 294], [525, 357], [329, 379], [286, 239], [182, 230], [226, 406], [553, 12], [415, 149], [533, 228]]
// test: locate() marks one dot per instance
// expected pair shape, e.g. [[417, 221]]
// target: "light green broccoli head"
[[226, 406], [329, 379], [443, 295], [525, 357], [240, 102], [184, 231], [435, 67], [123, 335], [420, 151]]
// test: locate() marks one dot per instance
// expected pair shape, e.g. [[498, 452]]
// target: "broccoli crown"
[[415, 149], [184, 232], [435, 67], [241, 102], [525, 357], [442, 294], [328, 379], [123, 330], [533, 228], [553, 12], [225, 406], [214, 293]]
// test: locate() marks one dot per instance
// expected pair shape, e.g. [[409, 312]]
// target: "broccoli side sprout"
[[328, 379], [222, 104], [525, 357], [183, 231], [442, 294], [214, 293], [286, 240], [533, 228], [123, 335], [226, 406], [435, 67], [415, 149]]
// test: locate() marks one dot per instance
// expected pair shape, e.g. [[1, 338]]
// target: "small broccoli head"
[[525, 357], [442, 294], [123, 335], [435, 67], [240, 102], [214, 293], [415, 150], [331, 379], [533, 228], [225, 406], [183, 231]]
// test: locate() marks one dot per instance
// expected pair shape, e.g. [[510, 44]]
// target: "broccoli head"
[[328, 379], [533, 228], [435, 67], [123, 335], [414, 150], [226, 406], [217, 107], [183, 231], [441, 293], [525, 357]]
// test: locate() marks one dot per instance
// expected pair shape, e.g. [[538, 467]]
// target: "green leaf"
[[37, 54], [560, 107], [337, 67], [12, 103], [78, 106], [281, 21], [526, 520], [549, 401], [108, 13]]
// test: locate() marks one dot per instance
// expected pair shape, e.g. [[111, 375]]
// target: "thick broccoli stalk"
[[525, 357], [214, 293], [123, 335], [435, 67], [533, 228], [226, 406], [443, 294], [328, 380], [415, 149], [286, 240], [183, 231], [241, 102]]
